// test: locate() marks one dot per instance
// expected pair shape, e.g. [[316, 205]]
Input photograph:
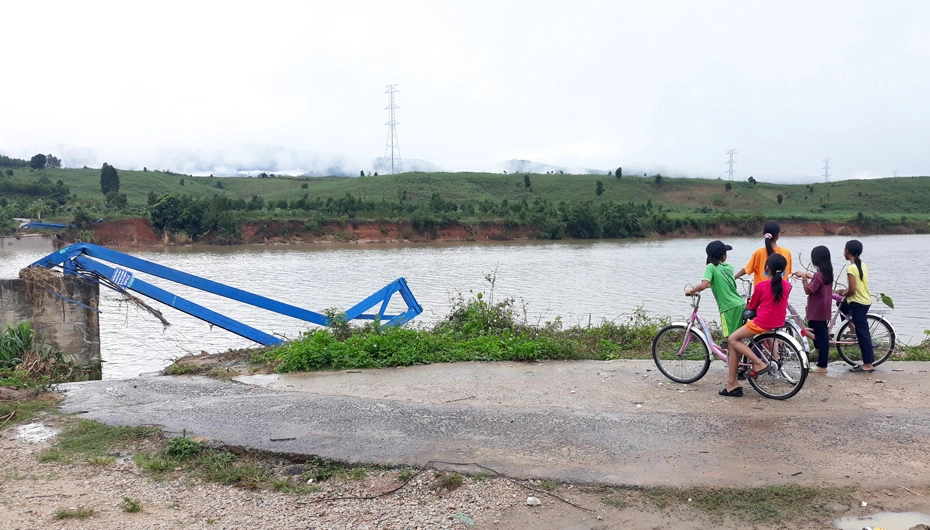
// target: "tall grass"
[[27, 361]]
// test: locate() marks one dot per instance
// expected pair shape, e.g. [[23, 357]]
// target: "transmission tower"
[[826, 170], [392, 146], [730, 172]]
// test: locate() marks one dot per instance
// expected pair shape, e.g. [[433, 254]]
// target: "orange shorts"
[[754, 328]]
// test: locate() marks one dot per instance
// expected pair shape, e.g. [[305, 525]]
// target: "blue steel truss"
[[78, 259]]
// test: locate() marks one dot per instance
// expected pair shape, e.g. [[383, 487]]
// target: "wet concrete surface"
[[615, 422]]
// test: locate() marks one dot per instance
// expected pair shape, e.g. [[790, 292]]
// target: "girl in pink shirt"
[[770, 300]]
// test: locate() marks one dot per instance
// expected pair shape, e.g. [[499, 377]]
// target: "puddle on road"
[[886, 520], [260, 380], [34, 432]]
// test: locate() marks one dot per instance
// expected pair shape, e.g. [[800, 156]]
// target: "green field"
[[893, 197]]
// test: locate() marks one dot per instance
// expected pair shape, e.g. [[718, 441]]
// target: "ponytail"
[[854, 247], [770, 232], [776, 265], [820, 257]]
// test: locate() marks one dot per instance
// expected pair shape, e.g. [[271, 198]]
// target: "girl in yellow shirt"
[[859, 299]]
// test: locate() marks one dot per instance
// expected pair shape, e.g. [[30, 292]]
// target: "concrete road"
[[615, 422]]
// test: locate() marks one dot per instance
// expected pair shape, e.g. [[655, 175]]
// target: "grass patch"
[[477, 329], [101, 460], [548, 485], [921, 352], [75, 513], [50, 456], [406, 474], [18, 412], [91, 440], [182, 368], [778, 503], [208, 464], [130, 506], [445, 481]]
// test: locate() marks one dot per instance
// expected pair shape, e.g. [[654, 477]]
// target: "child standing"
[[718, 275], [756, 265], [770, 300], [819, 289], [859, 298]]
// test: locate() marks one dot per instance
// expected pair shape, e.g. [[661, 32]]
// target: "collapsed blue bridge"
[[82, 259]]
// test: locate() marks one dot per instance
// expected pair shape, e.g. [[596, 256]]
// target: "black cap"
[[716, 249]]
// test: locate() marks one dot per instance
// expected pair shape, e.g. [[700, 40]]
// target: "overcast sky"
[[649, 85]]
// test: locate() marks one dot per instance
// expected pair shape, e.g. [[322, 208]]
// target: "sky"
[[298, 87]]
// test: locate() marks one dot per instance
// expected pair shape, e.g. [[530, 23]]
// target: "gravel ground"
[[32, 493]]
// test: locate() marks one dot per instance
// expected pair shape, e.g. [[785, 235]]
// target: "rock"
[[294, 470], [533, 501]]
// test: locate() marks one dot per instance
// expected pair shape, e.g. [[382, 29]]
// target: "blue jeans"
[[821, 341], [858, 312]]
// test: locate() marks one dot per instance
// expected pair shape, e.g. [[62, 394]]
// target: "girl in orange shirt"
[[756, 265]]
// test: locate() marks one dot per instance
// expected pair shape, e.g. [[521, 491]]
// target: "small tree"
[[728, 186], [52, 161], [181, 182], [109, 179], [658, 179], [619, 172], [117, 200], [526, 181], [38, 161], [599, 189], [779, 198], [361, 173]]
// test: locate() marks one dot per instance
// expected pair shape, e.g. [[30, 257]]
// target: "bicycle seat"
[[749, 314]]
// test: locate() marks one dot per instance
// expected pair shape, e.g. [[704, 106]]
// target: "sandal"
[[860, 370], [754, 373], [736, 392], [817, 370]]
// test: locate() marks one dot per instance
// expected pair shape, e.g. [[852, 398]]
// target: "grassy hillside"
[[890, 197]]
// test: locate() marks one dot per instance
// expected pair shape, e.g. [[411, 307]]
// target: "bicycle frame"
[[796, 322], [712, 346], [705, 330]]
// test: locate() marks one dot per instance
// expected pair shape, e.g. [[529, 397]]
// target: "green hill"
[[660, 203]]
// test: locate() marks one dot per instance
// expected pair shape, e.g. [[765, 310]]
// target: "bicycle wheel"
[[680, 361], [790, 366], [883, 341]]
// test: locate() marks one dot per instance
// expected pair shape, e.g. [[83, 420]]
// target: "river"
[[582, 282]]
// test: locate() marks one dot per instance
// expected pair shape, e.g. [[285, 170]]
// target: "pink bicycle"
[[682, 351]]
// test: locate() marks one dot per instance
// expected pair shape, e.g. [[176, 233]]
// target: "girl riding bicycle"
[[858, 299], [757, 262], [819, 289], [770, 300], [718, 275]]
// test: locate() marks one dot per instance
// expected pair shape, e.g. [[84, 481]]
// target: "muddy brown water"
[[581, 282]]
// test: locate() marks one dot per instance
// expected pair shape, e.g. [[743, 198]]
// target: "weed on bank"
[[477, 329]]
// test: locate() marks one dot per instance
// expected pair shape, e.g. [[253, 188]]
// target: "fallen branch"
[[914, 492], [428, 466]]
